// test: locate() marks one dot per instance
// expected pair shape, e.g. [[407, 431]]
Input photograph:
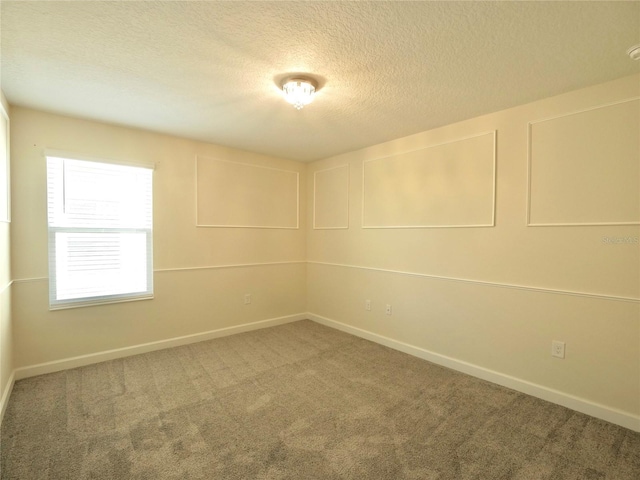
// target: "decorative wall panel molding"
[[529, 288], [231, 194], [180, 269], [584, 167], [5, 194], [447, 185], [331, 198]]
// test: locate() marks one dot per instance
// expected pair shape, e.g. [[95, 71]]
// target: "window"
[[5, 210], [100, 232]]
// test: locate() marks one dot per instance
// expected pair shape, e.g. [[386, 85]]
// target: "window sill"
[[95, 303]]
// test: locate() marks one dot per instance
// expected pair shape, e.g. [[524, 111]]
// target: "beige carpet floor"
[[298, 401]]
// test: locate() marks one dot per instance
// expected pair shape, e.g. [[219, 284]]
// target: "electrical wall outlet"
[[247, 298], [388, 310], [367, 305], [557, 349]]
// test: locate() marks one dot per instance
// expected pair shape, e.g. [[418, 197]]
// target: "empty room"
[[320, 240]]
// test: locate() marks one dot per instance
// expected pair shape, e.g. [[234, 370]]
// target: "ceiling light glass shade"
[[298, 92]]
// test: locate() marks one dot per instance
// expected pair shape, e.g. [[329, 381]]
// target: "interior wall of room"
[[483, 259], [6, 336], [482, 277], [201, 273]]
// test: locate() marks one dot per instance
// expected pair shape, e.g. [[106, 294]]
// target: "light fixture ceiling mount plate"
[[634, 52]]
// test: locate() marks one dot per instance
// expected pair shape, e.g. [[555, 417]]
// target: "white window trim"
[[52, 230], [5, 216]]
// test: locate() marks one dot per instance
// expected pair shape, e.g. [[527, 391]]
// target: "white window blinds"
[[100, 232]]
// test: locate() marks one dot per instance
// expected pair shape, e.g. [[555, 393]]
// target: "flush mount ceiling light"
[[634, 52], [299, 91]]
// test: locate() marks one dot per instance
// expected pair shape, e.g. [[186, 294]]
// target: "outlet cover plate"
[[557, 349]]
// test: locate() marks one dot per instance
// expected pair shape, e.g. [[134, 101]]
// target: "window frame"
[[5, 188], [148, 294]]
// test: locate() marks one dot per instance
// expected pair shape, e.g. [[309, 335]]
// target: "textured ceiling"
[[208, 70]]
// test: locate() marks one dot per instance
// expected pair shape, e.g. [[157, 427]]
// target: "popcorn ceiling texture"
[[209, 70]]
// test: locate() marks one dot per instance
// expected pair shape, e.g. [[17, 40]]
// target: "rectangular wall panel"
[[584, 167], [331, 198], [231, 194], [5, 213], [447, 185]]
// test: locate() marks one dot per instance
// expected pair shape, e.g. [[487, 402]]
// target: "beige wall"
[[201, 273], [6, 336], [495, 297]]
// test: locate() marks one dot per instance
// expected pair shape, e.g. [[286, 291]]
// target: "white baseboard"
[[80, 361], [612, 415], [4, 400], [618, 417]]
